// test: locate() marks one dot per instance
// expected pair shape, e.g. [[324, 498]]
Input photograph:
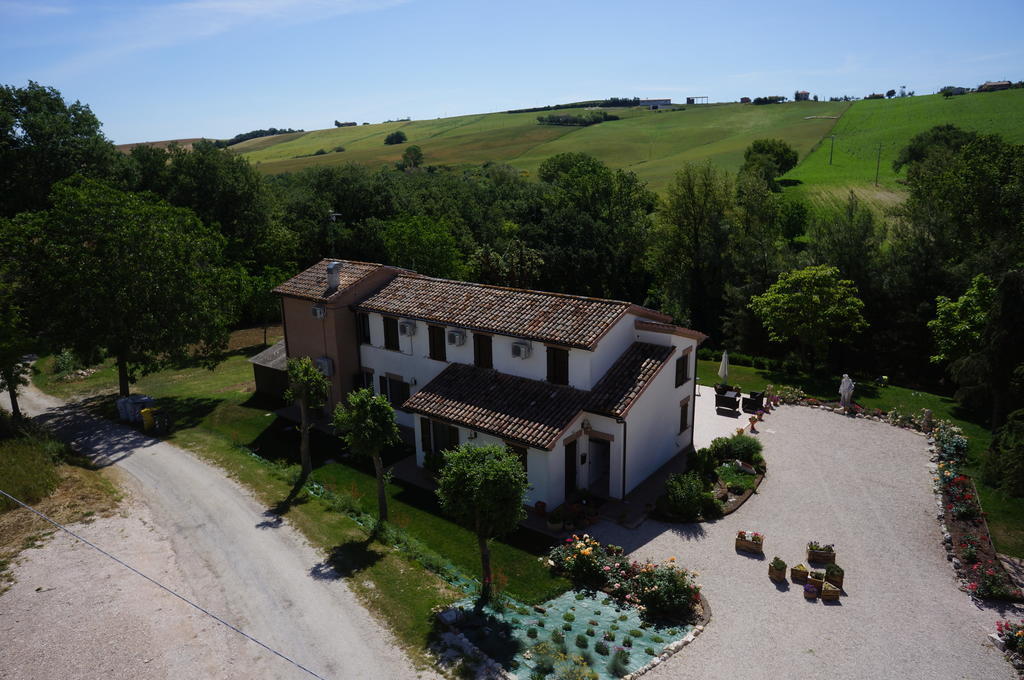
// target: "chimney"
[[333, 276]]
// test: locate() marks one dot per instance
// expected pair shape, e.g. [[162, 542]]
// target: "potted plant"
[[753, 422], [810, 592], [556, 520], [777, 569], [829, 593], [834, 574], [816, 579], [750, 541], [541, 508], [760, 414], [820, 552], [798, 574]]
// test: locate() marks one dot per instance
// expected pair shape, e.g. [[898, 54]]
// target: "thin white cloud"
[[31, 9], [175, 23]]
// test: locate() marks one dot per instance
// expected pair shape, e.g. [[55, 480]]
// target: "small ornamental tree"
[[308, 387], [396, 137], [812, 306], [368, 427], [483, 489]]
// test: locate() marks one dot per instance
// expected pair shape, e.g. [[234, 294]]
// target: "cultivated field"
[[891, 123], [652, 144]]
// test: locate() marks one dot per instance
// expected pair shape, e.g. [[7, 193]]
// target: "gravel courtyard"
[[865, 487]]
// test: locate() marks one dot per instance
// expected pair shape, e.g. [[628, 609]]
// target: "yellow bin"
[[148, 418]]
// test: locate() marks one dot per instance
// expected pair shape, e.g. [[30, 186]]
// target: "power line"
[[157, 583]]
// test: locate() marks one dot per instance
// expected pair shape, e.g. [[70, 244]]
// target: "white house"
[[591, 393]]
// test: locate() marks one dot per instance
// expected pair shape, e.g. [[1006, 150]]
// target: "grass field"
[[1005, 514], [653, 144], [215, 413], [891, 123]]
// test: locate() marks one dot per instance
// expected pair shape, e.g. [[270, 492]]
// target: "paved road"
[[865, 487], [258, 576]]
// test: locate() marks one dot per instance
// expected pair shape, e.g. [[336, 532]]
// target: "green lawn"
[[891, 123], [1005, 514], [653, 144], [216, 412]]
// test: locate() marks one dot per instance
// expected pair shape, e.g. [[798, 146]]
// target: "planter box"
[[817, 583], [750, 546], [834, 579], [821, 556], [798, 575], [554, 526], [812, 595], [829, 593], [777, 575]]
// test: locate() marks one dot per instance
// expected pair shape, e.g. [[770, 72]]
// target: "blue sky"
[[165, 69]]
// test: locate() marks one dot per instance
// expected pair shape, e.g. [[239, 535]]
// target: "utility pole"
[[878, 163], [831, 148]]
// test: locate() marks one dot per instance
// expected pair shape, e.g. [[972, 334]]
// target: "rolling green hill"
[[653, 144], [891, 123]]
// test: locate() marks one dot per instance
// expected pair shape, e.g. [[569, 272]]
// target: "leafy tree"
[[890, 94], [483, 489], [958, 324], [14, 342], [769, 158], [1003, 463], [307, 387], [43, 140], [944, 139], [396, 137], [812, 306], [412, 157], [847, 239], [689, 244], [124, 273], [423, 244], [263, 306], [368, 428]]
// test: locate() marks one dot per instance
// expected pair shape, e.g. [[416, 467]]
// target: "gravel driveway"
[[257, 577], [865, 487]]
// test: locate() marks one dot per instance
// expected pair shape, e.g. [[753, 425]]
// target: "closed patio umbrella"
[[723, 369]]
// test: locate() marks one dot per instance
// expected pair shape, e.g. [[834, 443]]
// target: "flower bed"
[[663, 592], [1011, 635]]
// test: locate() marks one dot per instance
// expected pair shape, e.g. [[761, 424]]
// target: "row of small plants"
[[695, 494], [662, 592], [976, 560]]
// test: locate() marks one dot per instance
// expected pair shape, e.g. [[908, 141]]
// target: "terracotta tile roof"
[[312, 283], [658, 327], [615, 393], [532, 412], [559, 319]]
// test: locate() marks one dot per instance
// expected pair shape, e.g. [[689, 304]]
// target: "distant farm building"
[[994, 86], [803, 96], [655, 104], [696, 100], [744, 100]]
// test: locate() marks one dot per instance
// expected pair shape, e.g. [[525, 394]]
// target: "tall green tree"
[[769, 159], [412, 158], [811, 306], [367, 426], [44, 139], [123, 273], [14, 341], [959, 324], [424, 244], [689, 245], [483, 488], [309, 389]]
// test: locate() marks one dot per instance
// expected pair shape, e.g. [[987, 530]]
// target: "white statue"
[[846, 391]]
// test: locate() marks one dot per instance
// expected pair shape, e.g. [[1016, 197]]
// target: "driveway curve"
[[257, 575], [865, 487]]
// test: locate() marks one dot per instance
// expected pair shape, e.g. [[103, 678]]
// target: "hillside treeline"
[[252, 134], [611, 101], [580, 119], [937, 280]]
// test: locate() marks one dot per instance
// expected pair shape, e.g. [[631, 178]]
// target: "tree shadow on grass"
[[346, 560]]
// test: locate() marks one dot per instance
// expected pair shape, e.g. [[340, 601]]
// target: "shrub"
[[736, 480], [683, 495], [320, 152], [65, 362], [591, 632], [619, 664], [665, 592], [569, 616], [778, 563], [582, 642], [566, 626], [28, 468], [609, 636], [582, 559], [339, 149], [649, 651], [969, 549], [703, 462], [636, 633], [601, 647], [657, 639], [1012, 634], [557, 637], [833, 570], [574, 667], [745, 447], [396, 137], [531, 632], [627, 641], [710, 507]]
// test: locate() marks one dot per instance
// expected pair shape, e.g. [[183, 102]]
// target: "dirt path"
[[207, 533]]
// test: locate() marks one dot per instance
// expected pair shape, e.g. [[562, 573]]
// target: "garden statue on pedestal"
[[846, 391]]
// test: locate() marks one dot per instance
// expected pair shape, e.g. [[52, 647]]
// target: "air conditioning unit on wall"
[[520, 349], [407, 328], [319, 311], [325, 365], [457, 338]]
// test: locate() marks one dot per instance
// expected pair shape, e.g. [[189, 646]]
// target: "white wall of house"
[[534, 366]]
